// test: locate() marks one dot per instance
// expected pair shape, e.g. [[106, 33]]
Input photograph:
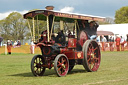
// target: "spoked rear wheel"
[[92, 55], [61, 65], [36, 65]]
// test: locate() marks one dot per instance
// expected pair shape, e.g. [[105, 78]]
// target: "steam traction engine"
[[60, 53]]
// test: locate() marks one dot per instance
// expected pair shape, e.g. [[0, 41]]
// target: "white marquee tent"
[[117, 29]]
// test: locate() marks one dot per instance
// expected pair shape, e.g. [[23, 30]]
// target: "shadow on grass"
[[29, 74], [77, 71], [48, 73]]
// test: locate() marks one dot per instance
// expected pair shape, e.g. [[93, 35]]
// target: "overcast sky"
[[104, 8]]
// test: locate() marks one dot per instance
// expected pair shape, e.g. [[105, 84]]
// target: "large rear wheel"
[[61, 65], [92, 55], [36, 65]]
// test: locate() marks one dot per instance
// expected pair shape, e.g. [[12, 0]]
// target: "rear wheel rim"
[[93, 57]]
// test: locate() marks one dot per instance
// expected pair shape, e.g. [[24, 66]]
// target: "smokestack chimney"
[[49, 7]]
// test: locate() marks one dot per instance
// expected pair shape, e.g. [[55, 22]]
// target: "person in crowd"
[[32, 47], [103, 41], [98, 39], [122, 42], [12, 42], [9, 45], [1, 39], [127, 41], [111, 41], [18, 43], [15, 44], [117, 40], [0, 43]]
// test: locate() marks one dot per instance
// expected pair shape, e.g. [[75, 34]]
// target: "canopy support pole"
[[52, 26], [37, 26], [75, 28], [33, 30], [48, 28]]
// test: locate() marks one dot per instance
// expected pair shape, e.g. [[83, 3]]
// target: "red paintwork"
[[72, 42], [82, 38], [43, 44], [68, 52], [72, 54], [71, 36], [49, 50], [79, 55]]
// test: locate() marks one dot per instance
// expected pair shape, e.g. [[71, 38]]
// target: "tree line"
[[15, 27]]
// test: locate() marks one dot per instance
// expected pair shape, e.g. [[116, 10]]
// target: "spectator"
[[12, 42], [32, 47], [111, 41], [98, 39], [127, 40], [9, 45], [118, 43], [15, 44], [103, 41], [122, 42], [1, 39], [19, 43]]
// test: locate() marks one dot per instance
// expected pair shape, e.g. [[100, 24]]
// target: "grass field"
[[15, 70]]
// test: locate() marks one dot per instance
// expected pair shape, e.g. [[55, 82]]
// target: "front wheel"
[[61, 65], [36, 65], [92, 55]]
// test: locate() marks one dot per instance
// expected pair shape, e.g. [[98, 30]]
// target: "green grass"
[[15, 70]]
